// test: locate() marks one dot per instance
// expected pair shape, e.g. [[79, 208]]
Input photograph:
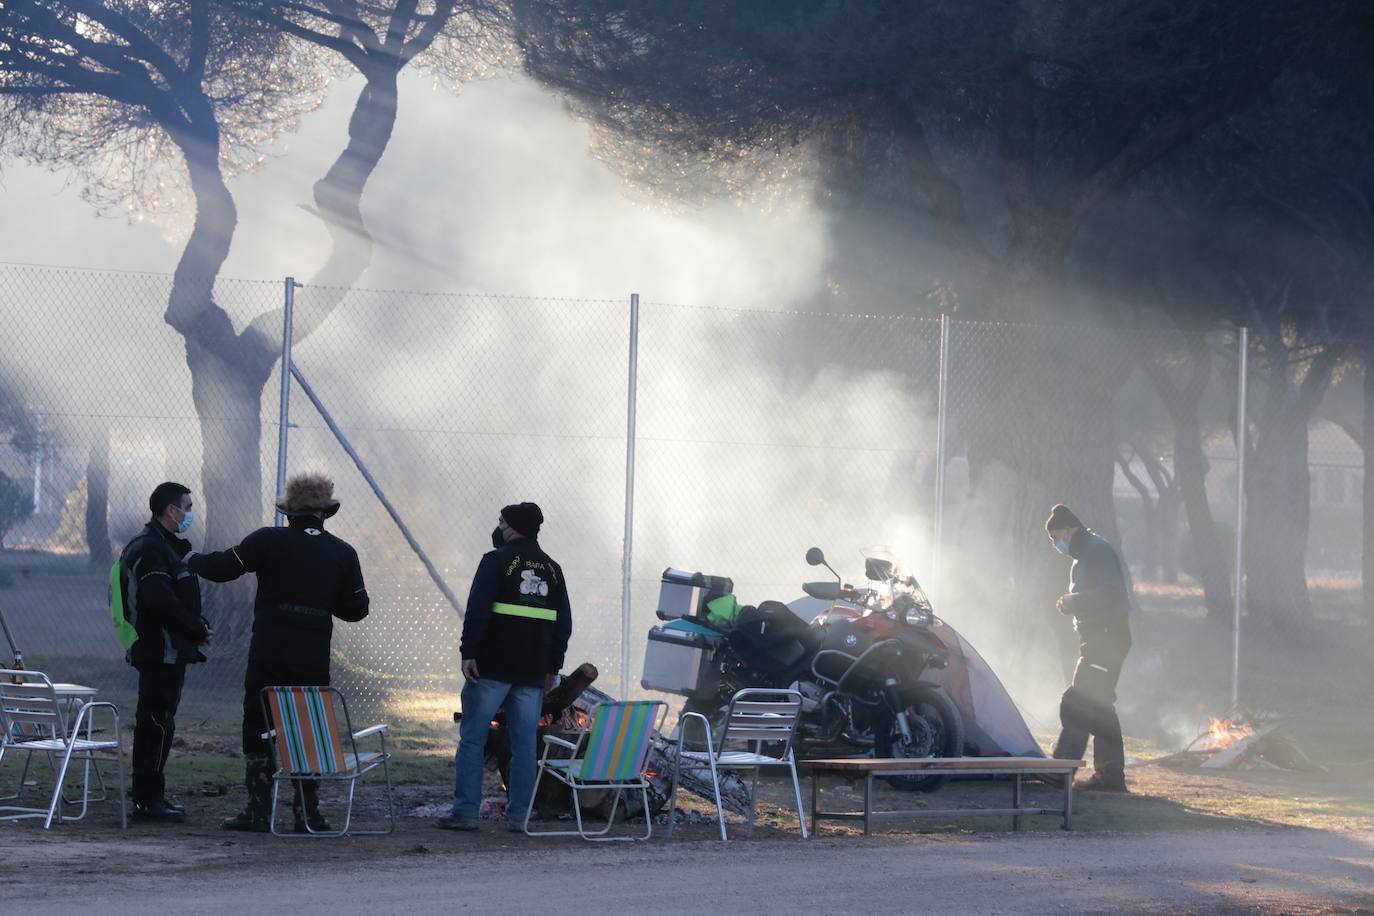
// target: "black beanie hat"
[[1060, 519], [525, 518]]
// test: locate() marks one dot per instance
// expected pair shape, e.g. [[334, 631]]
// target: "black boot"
[[256, 817], [158, 810], [308, 815]]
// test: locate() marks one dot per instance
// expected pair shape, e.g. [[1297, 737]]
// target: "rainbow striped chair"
[[307, 744], [610, 753]]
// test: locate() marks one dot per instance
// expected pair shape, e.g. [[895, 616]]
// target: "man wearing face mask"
[[515, 633], [165, 599], [1099, 600]]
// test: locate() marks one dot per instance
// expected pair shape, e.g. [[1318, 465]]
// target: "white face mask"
[[187, 521], [1062, 545]]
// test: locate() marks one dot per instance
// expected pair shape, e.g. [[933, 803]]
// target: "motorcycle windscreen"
[[993, 726]]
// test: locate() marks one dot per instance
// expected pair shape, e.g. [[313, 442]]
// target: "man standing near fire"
[[1099, 600], [515, 634]]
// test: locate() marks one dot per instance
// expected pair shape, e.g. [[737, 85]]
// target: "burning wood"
[[1223, 733], [1239, 741]]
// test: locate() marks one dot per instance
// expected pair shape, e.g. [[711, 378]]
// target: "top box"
[[685, 594]]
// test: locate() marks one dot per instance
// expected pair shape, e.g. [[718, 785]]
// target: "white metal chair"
[[310, 746], [755, 717], [610, 753], [32, 721]]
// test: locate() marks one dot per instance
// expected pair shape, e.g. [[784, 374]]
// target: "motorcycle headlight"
[[915, 616]]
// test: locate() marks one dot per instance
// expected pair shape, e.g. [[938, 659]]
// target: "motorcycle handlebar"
[[826, 591]]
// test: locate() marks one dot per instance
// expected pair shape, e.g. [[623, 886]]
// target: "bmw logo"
[[851, 640]]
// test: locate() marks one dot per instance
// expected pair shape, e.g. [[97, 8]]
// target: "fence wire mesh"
[[759, 434]]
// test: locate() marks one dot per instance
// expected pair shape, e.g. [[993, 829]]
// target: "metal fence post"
[[941, 433], [38, 476], [1242, 384], [284, 408], [629, 500]]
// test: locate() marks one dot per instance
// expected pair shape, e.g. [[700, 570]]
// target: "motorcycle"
[[858, 667]]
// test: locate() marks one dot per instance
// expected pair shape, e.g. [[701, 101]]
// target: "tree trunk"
[[1149, 559], [98, 498], [1167, 533], [1277, 493], [228, 372], [338, 198], [1190, 474]]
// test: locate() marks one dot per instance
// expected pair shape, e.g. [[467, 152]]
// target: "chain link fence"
[[759, 434]]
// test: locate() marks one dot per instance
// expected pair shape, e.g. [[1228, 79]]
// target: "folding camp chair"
[[754, 716], [610, 753], [32, 722], [310, 746]]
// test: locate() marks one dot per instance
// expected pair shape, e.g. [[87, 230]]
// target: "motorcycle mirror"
[[816, 557]]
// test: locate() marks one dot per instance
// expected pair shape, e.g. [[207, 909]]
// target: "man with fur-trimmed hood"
[[306, 578]]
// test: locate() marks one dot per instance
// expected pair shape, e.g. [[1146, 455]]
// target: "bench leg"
[[815, 797], [868, 802], [1068, 801], [1016, 802]]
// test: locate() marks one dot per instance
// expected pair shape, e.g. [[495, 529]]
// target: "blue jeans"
[[481, 699]]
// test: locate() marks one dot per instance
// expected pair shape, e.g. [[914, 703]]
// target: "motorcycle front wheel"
[[937, 730]]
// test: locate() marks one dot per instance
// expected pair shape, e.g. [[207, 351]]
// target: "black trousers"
[[159, 695], [1088, 709]]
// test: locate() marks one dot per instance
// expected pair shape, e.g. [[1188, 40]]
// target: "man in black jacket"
[[306, 578], [165, 600], [1099, 600], [515, 633]]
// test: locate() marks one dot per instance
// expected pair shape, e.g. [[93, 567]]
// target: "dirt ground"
[[1184, 841], [1180, 843]]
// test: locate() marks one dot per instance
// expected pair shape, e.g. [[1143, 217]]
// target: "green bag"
[[722, 611], [119, 616]]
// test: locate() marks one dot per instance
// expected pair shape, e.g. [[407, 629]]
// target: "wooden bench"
[[1015, 767]]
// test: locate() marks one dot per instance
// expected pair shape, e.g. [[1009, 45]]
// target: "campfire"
[[1241, 740], [1223, 733]]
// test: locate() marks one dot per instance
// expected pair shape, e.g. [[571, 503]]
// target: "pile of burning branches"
[[1241, 740]]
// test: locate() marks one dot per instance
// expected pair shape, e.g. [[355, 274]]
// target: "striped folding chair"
[[307, 744], [611, 753]]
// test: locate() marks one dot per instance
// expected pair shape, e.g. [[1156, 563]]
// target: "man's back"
[[518, 619], [306, 577]]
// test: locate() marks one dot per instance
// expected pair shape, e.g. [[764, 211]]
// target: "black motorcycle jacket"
[[1101, 611], [518, 618], [164, 597], [306, 578]]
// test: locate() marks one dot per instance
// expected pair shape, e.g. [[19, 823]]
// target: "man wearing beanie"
[[306, 578], [514, 635], [1099, 602]]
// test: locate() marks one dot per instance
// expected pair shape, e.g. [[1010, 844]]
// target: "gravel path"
[[423, 870]]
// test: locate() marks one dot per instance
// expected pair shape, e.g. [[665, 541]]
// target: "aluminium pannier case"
[[685, 594], [677, 657]]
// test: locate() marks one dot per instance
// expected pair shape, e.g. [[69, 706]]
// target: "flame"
[[1222, 733]]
